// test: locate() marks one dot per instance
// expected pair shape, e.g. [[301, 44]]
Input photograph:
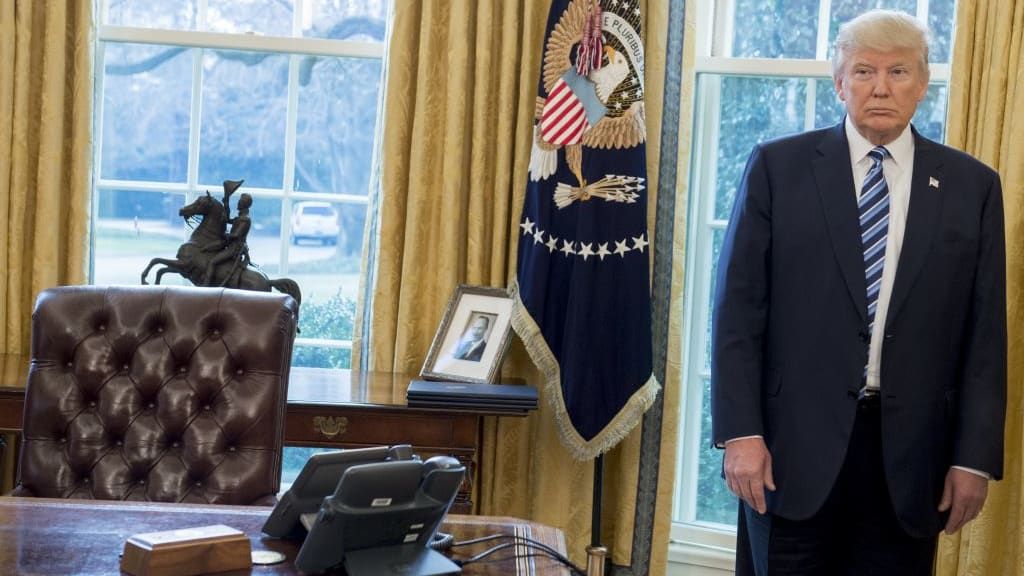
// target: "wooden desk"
[[337, 409], [44, 536]]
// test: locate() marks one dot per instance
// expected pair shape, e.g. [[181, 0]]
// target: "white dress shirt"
[[898, 167]]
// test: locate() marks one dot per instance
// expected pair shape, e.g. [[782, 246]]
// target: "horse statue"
[[194, 255]]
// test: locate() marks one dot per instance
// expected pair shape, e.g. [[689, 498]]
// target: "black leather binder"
[[509, 397]]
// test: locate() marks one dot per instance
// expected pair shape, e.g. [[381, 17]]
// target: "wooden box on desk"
[[186, 552]]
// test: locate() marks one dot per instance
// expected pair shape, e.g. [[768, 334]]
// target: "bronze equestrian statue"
[[213, 256]]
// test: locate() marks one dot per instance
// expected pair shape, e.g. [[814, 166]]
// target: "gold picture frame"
[[471, 342]]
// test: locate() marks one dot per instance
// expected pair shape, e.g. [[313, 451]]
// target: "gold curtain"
[[461, 85], [986, 119], [45, 154]]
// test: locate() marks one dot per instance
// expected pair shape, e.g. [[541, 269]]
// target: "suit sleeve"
[[740, 312], [982, 404]]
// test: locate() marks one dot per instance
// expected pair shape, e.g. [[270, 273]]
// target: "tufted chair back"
[[168, 394]]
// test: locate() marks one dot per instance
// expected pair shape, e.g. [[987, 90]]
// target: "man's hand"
[[748, 471], [963, 495]]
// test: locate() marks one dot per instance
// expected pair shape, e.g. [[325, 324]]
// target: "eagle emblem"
[[593, 77]]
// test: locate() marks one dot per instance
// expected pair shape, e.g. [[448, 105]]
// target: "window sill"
[[690, 554]]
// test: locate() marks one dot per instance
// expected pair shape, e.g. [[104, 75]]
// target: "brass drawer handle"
[[330, 426]]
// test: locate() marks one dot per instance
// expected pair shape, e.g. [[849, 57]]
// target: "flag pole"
[[596, 553]]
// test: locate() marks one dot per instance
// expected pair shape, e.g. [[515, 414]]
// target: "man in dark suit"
[[859, 347], [471, 347]]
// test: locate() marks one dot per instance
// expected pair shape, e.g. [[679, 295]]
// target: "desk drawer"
[[430, 434]]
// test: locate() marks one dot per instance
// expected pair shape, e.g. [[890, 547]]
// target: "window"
[[762, 71], [281, 93]]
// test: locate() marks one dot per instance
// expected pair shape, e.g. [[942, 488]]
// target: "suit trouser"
[[855, 533]]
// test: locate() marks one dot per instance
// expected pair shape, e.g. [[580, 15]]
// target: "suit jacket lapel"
[[834, 176], [922, 221]]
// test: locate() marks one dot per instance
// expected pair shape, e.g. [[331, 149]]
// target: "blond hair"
[[881, 31]]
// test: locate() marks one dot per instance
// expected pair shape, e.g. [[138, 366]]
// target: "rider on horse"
[[233, 247]]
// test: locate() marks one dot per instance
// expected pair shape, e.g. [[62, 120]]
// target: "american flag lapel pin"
[[933, 182]]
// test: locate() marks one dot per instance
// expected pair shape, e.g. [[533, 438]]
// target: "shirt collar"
[[901, 150]]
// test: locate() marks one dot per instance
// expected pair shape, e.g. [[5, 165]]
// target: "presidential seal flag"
[[582, 295]]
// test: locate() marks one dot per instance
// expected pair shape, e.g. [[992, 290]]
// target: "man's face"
[[881, 91], [479, 328]]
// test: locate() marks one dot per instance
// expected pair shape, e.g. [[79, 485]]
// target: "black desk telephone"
[[375, 510]]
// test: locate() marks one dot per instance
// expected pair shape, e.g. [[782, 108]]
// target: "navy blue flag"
[[582, 295]]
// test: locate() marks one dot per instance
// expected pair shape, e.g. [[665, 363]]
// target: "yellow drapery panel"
[[45, 154], [458, 116], [986, 119]]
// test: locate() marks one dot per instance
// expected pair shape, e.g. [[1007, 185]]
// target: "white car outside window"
[[315, 221]]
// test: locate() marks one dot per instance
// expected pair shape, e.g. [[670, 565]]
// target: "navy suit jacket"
[[790, 338]]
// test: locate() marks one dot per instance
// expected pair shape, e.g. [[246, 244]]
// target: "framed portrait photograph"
[[473, 336]]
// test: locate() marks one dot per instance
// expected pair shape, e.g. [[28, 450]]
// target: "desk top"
[[306, 387], [46, 536]]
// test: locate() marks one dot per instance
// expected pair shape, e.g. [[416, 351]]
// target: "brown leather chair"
[[156, 393]]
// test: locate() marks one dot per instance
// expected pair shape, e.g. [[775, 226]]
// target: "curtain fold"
[[46, 91], [986, 119], [460, 91]]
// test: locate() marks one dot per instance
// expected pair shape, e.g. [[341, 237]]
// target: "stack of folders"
[[511, 398]]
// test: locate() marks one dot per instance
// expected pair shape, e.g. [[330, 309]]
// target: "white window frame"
[[693, 542], [295, 47]]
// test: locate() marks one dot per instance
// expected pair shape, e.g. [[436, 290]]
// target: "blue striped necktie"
[[874, 227]]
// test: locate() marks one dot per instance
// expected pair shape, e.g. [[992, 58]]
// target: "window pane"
[[717, 238], [930, 118], [244, 99], [267, 17], [337, 116], [775, 29], [320, 356], [324, 258], [714, 501], [941, 14], [265, 235], [828, 108], [170, 14], [294, 459], [146, 97], [131, 227], [752, 110], [362, 20]]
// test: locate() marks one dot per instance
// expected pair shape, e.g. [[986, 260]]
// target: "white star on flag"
[[933, 182], [639, 243], [527, 226], [602, 251], [585, 250], [621, 248], [552, 243], [538, 236], [567, 248]]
